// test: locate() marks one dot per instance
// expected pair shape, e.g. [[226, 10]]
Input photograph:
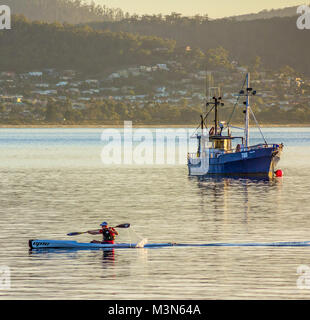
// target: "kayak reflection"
[[108, 256]]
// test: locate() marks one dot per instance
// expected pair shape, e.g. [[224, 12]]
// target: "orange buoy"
[[279, 173]]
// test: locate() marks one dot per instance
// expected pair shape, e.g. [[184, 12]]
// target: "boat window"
[[222, 144], [219, 144]]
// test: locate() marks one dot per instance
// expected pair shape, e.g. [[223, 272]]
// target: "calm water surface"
[[53, 182]]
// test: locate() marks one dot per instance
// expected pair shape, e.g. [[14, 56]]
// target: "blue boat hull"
[[257, 162]]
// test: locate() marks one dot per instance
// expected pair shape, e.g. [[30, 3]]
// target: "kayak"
[[67, 244]]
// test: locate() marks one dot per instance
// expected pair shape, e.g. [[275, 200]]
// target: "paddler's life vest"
[[108, 234]]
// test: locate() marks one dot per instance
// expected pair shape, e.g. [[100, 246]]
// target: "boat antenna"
[[210, 89], [248, 93], [216, 103], [236, 104], [205, 120]]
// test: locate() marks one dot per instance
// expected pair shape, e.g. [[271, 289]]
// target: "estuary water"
[[54, 181]]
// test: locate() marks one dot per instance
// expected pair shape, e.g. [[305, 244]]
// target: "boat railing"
[[263, 145], [194, 158], [257, 146], [246, 149]]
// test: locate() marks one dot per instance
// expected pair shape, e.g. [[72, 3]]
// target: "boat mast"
[[215, 115], [217, 102], [247, 111]]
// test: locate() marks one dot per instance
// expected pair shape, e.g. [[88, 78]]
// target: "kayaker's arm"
[[94, 232]]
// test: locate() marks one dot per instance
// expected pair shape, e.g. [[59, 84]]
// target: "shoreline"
[[194, 126]]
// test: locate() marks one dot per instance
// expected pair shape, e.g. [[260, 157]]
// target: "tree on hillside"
[[218, 57], [51, 114]]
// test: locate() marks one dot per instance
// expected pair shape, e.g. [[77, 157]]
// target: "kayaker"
[[108, 233]]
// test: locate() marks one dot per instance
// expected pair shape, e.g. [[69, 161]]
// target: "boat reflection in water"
[[234, 208]]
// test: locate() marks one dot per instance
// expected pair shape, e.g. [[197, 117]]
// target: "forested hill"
[[69, 11], [80, 11], [38, 45], [267, 14], [277, 41]]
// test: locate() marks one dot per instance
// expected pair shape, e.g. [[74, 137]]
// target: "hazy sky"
[[214, 8]]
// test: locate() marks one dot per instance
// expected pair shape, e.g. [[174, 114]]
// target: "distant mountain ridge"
[[277, 40], [64, 11], [267, 14], [80, 11]]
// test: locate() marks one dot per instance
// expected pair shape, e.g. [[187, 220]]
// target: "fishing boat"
[[217, 156], [65, 244]]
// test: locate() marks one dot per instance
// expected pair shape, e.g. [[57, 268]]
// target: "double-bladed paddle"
[[124, 226]]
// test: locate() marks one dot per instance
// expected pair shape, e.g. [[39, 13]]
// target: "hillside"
[[150, 69], [38, 45], [81, 11], [268, 14], [272, 35], [277, 41], [69, 11], [56, 73]]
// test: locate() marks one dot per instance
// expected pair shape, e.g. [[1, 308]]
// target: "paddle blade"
[[74, 233], [124, 225]]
